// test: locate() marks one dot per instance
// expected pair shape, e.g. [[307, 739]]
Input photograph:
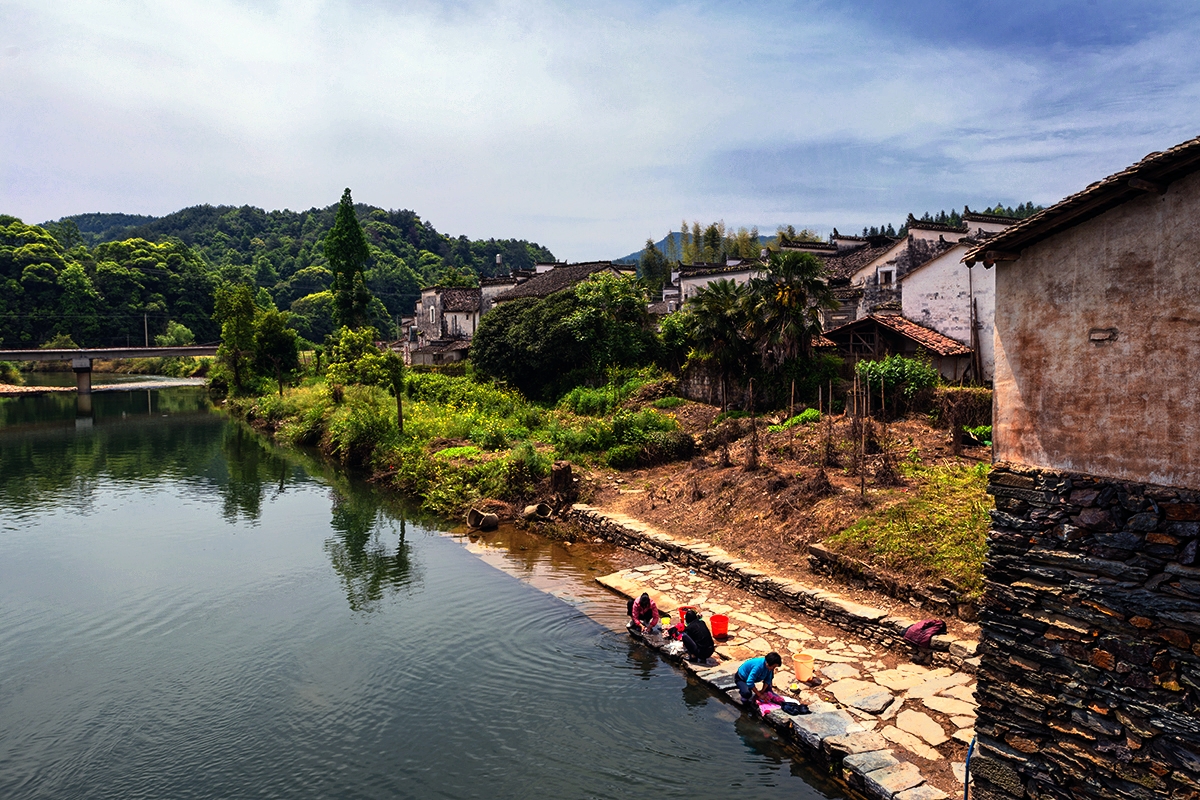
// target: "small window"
[[885, 277]]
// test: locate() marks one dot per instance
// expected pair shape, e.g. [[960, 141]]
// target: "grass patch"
[[668, 402], [940, 532]]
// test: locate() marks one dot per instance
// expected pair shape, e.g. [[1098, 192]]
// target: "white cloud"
[[585, 128]]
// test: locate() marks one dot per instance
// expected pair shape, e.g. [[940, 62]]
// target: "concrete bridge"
[[81, 358]]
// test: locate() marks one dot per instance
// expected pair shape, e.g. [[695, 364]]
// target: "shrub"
[[364, 422], [662, 447], [963, 405], [10, 374], [902, 380], [806, 417], [623, 456]]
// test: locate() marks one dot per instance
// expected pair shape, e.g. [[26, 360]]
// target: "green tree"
[[354, 358], [655, 268], [394, 366], [177, 335], [717, 316], [346, 250], [714, 243], [786, 306], [235, 312], [611, 320], [276, 345]]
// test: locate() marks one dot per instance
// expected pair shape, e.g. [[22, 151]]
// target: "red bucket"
[[719, 624]]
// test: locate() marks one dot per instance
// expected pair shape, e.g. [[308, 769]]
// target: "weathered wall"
[[690, 284], [1089, 681], [938, 296], [1069, 398]]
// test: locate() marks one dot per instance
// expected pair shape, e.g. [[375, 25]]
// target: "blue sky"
[[586, 127]]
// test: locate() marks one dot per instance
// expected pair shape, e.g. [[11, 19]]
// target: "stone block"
[[950, 706], [863, 695], [870, 761], [921, 725], [963, 648], [997, 773], [815, 728], [922, 792], [886, 783], [836, 672], [851, 744]]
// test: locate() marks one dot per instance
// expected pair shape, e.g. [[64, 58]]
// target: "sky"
[[586, 127]]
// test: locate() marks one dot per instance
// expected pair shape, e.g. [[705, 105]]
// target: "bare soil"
[[808, 485]]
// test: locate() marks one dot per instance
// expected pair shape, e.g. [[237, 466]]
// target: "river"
[[188, 611]]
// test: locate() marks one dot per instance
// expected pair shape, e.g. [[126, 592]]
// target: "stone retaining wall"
[[1090, 677], [945, 599], [870, 623]]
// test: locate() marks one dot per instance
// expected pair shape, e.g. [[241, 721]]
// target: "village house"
[[551, 278], [1089, 682], [949, 297], [886, 333]]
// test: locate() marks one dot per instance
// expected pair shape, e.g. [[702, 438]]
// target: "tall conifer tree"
[[346, 249]]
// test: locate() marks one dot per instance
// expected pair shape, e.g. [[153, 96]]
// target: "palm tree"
[[786, 306], [717, 318]]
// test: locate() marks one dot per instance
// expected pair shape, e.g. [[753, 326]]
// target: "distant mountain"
[[105, 278], [98, 228]]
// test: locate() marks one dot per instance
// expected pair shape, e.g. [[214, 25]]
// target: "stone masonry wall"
[[1089, 682]]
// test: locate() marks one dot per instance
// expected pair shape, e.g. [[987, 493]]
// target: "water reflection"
[[361, 553], [253, 465]]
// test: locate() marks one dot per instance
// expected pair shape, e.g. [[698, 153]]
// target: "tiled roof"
[[843, 265], [499, 280], [929, 339], [557, 279], [745, 266], [460, 299], [442, 346], [819, 342], [1153, 173], [926, 225], [975, 216]]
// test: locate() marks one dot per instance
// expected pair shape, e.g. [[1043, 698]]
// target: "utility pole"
[[146, 328]]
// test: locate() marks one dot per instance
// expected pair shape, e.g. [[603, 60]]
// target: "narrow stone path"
[[895, 729]]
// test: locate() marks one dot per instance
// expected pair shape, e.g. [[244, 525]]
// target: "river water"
[[188, 611]]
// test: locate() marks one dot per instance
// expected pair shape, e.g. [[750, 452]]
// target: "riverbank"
[[907, 519]]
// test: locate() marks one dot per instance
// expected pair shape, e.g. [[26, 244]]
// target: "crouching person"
[[697, 639], [757, 670], [643, 613]]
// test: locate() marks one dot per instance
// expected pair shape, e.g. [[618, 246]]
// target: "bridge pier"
[[83, 374]]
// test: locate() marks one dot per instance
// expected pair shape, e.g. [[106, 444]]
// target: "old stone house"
[[947, 296], [882, 334], [448, 313], [1089, 683]]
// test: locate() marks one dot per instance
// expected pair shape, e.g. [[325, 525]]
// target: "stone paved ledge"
[[867, 622], [854, 727]]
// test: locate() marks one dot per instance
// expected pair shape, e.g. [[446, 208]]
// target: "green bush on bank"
[[492, 433]]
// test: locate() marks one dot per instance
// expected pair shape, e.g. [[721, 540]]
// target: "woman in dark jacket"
[[696, 638]]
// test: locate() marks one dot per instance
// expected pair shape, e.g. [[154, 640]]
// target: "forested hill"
[[94, 276]]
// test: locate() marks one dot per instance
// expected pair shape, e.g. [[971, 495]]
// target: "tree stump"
[[562, 482]]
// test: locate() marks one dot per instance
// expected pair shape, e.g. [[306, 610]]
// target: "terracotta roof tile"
[[931, 340]]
